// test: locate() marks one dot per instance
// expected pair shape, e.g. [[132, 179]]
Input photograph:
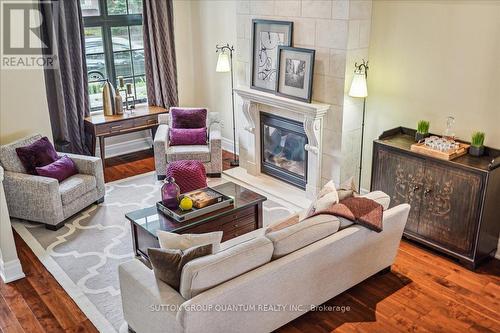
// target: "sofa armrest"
[[90, 165], [160, 146], [33, 198], [149, 305]]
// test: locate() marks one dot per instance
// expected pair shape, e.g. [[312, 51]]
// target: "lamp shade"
[[358, 86], [223, 63]]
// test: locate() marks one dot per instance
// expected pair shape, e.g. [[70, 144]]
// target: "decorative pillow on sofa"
[[187, 136], [301, 234], [61, 169], [167, 264], [38, 154], [170, 240], [188, 118]]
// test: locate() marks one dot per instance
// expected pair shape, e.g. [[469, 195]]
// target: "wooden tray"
[[448, 155]]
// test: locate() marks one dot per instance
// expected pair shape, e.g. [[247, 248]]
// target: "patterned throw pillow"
[[167, 264]]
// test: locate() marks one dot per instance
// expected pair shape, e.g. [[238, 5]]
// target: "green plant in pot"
[[477, 141], [422, 130]]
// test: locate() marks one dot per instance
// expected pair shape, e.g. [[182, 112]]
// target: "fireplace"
[[283, 153]]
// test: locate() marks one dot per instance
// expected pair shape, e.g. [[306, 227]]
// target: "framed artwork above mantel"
[[267, 36]]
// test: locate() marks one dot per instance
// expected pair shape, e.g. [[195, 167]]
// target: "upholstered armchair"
[[210, 154], [45, 200]]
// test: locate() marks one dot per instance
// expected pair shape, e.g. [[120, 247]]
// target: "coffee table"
[[242, 217]]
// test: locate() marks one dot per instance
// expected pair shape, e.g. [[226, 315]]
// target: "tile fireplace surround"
[[310, 114]]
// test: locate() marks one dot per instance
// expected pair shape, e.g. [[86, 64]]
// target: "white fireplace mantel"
[[310, 114]]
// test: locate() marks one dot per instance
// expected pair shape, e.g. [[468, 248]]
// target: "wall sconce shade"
[[223, 63], [358, 85]]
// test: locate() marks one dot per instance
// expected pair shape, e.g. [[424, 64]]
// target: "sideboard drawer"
[[146, 121], [114, 127]]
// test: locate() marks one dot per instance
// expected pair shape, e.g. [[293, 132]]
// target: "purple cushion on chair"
[[188, 118], [189, 175], [188, 136], [38, 154], [61, 169]]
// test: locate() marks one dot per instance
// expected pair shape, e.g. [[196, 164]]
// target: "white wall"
[[23, 105], [431, 59]]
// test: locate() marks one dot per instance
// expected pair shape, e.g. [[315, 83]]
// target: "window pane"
[[117, 7], [96, 67], [140, 87], [90, 7], [93, 40], [120, 38], [123, 64], [138, 59], [135, 6], [136, 37], [95, 94]]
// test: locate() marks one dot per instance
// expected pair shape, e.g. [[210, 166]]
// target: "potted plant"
[[477, 141], [422, 130]]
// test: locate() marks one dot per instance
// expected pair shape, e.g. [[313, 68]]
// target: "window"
[[114, 46]]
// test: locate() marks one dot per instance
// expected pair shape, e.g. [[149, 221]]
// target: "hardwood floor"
[[424, 292]]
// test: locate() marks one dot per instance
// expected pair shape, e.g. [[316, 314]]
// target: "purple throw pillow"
[[61, 169], [38, 154], [188, 136], [188, 118]]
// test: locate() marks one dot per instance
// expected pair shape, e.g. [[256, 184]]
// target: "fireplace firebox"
[[283, 155]]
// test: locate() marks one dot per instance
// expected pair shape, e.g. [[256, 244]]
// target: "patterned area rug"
[[84, 255]]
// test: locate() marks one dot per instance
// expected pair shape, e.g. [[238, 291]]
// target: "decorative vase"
[[420, 136], [170, 193], [118, 102], [108, 95], [476, 151]]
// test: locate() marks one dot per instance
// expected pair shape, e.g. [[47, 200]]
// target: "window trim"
[[106, 22]]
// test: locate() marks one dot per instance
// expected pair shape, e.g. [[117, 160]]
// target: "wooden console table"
[[101, 126]]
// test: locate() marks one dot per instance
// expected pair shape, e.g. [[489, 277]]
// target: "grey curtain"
[[66, 84], [159, 53]]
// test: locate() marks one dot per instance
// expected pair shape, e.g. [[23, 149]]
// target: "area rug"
[[83, 256]]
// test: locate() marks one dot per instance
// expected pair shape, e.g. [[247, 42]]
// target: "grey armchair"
[[210, 154], [43, 199]]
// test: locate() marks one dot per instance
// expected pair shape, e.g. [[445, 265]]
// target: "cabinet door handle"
[[416, 188], [235, 225], [427, 191], [116, 126]]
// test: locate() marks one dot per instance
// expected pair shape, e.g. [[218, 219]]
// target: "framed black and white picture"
[[295, 73], [267, 36]]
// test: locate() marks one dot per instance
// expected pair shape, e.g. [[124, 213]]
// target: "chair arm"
[[90, 165], [215, 146], [149, 305], [215, 136], [33, 197], [160, 146]]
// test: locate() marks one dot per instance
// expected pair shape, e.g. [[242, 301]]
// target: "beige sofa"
[[267, 297]]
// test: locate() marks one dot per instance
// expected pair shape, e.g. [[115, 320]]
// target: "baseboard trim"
[[11, 270], [227, 145], [126, 147]]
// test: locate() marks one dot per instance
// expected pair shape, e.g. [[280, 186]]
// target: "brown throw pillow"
[[167, 264]]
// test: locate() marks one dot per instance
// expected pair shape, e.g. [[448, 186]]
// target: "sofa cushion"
[[167, 263], [282, 224], [75, 186], [8, 155], [192, 152], [170, 240], [299, 235], [188, 117], [207, 272]]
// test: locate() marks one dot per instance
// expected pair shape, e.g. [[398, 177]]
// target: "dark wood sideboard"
[[142, 118], [455, 205]]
